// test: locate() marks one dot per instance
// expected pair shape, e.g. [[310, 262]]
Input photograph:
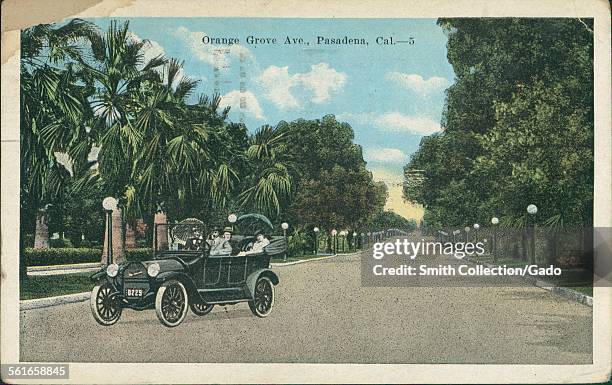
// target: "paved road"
[[322, 314]]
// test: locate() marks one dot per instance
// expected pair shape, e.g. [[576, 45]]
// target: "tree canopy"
[[100, 118], [517, 125]]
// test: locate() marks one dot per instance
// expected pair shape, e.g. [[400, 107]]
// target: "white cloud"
[[321, 80], [394, 121], [245, 101], [215, 55], [65, 160], [151, 49], [277, 84], [385, 155], [417, 84], [93, 154]]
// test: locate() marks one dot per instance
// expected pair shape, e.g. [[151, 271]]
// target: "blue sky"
[[391, 95]]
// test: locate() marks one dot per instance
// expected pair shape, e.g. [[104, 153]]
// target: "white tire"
[[104, 309], [171, 303]]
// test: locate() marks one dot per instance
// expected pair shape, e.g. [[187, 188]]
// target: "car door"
[[237, 270], [212, 270]]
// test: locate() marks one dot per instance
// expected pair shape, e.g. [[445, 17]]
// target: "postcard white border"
[[18, 14]]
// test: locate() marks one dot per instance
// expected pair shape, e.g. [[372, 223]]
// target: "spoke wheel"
[[200, 308], [105, 308], [263, 300], [171, 303]]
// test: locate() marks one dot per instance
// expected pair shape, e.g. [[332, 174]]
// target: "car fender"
[[98, 275], [185, 279], [254, 276]]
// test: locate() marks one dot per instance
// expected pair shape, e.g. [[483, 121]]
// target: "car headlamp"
[[153, 269], [112, 270]]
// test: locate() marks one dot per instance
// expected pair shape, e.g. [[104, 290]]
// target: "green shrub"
[[61, 243], [141, 254], [60, 256], [69, 255]]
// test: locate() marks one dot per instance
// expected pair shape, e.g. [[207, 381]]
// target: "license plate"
[[129, 292]]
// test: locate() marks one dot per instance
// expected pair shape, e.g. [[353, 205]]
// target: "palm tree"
[[269, 184], [53, 105], [154, 147]]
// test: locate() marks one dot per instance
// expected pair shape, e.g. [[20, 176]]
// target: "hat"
[[228, 229]]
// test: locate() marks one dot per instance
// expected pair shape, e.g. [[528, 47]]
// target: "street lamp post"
[[334, 234], [494, 222], [316, 231], [467, 234], [532, 210], [109, 204], [476, 227], [354, 241], [285, 226]]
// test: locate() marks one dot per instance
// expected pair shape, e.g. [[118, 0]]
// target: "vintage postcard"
[[306, 192]]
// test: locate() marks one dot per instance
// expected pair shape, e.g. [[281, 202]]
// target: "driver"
[[258, 246], [195, 242], [223, 247]]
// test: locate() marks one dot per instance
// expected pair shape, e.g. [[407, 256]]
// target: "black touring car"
[[187, 271]]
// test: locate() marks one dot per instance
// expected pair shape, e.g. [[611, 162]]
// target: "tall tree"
[[53, 107], [518, 124]]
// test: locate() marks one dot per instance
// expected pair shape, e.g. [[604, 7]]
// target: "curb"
[[564, 292], [63, 269], [277, 264], [70, 266], [39, 303]]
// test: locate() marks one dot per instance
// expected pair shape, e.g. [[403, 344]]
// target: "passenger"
[[258, 246], [214, 238], [223, 247]]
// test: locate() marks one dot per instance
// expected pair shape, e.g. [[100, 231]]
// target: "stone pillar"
[[41, 236], [117, 239], [160, 235], [130, 236]]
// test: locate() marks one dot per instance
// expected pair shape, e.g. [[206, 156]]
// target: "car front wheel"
[[263, 300], [171, 303], [105, 308]]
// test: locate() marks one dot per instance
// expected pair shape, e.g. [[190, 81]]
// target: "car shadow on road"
[[221, 313]]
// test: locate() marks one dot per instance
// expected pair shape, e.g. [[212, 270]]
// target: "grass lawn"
[[579, 280], [587, 290], [53, 285]]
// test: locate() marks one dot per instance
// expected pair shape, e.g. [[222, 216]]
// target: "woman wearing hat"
[[260, 242]]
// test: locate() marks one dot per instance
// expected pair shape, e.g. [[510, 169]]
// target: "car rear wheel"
[[200, 308], [105, 308], [171, 303], [263, 300]]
